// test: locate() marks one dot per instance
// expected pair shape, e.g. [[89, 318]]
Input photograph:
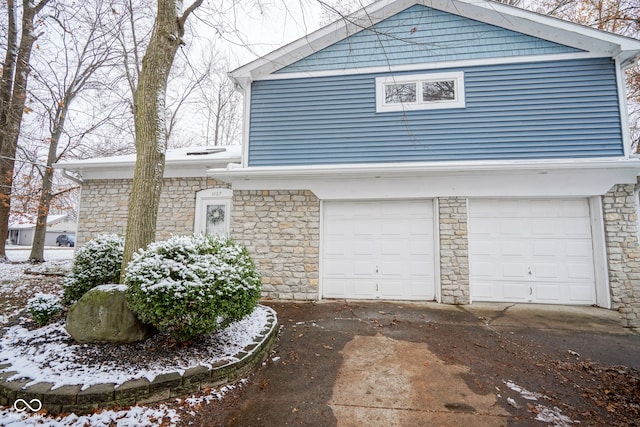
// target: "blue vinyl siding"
[[421, 35], [558, 109]]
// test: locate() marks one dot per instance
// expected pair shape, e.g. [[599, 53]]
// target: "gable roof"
[[596, 42]]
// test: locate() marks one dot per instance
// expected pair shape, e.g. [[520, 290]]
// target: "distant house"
[[449, 150], [21, 234]]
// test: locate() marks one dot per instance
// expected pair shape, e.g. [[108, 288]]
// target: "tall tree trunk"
[[46, 195], [151, 137], [12, 113]]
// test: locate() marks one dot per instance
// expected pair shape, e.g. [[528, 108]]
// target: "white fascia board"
[[600, 43]]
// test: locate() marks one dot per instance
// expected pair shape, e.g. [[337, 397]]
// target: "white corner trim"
[[600, 262], [436, 250]]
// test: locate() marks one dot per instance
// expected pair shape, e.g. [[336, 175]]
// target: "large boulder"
[[102, 315]]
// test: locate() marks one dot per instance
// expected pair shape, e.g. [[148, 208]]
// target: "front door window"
[[215, 224]]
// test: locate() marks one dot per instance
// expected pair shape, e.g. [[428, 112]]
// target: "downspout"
[[73, 178]]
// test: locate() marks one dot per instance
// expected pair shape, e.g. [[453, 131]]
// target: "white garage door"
[[378, 249], [531, 251]]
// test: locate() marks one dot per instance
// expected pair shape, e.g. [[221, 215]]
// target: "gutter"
[[398, 169]]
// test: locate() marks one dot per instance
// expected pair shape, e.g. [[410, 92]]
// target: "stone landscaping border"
[[71, 398]]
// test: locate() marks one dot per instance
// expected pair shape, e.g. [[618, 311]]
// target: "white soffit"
[[518, 179]]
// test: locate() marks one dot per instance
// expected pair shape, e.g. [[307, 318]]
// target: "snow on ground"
[[546, 415], [57, 367], [46, 355], [14, 287], [21, 253], [164, 414]]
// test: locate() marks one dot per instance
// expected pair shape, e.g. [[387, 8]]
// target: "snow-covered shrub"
[[96, 263], [42, 307], [192, 285]]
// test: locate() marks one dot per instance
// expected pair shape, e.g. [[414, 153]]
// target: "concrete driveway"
[[416, 364]]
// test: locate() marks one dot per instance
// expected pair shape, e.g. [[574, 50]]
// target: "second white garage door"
[[378, 249], [531, 250]]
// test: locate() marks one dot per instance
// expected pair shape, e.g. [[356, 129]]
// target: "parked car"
[[64, 240]]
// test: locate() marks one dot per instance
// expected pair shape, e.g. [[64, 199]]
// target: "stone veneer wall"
[[281, 230], [104, 205], [454, 250], [623, 251]]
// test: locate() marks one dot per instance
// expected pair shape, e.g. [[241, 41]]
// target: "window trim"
[[418, 79], [219, 196]]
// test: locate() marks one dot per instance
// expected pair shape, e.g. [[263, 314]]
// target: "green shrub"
[[42, 307], [96, 263], [192, 285]]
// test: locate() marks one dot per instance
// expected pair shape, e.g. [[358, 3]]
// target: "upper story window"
[[420, 92]]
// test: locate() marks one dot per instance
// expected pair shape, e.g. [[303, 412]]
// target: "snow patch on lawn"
[[47, 355], [134, 416]]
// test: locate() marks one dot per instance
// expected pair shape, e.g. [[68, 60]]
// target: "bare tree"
[[151, 137], [13, 91], [85, 45], [217, 103]]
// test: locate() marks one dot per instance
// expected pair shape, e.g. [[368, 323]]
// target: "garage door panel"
[[581, 294], [421, 269], [389, 242], [361, 248], [545, 248], [549, 292], [338, 268], [363, 268], [512, 248], [483, 269], [511, 226], [579, 248], [545, 227], [335, 288], [362, 288], [578, 227], [393, 247], [548, 259], [515, 291], [487, 291], [580, 271], [546, 271], [420, 246], [514, 270], [392, 269]]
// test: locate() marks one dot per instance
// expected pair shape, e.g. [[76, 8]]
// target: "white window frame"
[[419, 104], [204, 198]]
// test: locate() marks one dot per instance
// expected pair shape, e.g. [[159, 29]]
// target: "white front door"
[[378, 249], [531, 250]]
